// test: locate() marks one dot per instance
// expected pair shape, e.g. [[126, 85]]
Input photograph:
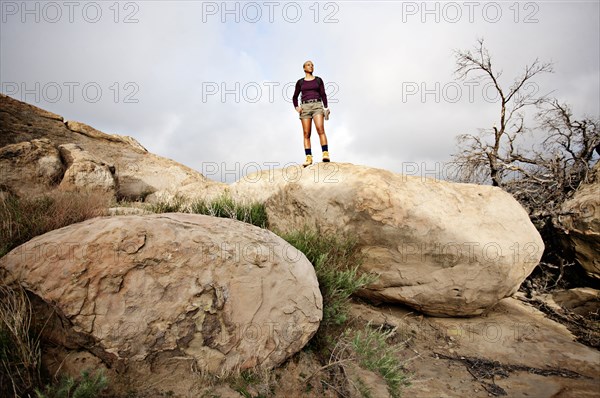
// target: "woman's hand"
[[299, 109]]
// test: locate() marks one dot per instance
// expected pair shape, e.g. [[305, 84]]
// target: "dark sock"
[[307, 151], [324, 148]]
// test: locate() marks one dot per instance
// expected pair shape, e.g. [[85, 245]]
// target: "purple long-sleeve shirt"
[[311, 89]]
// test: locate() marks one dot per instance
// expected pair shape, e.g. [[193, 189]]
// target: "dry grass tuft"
[[20, 353], [22, 219]]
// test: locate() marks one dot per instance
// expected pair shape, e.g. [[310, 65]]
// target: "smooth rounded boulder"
[[446, 249], [144, 293]]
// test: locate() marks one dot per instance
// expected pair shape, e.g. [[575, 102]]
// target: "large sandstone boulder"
[[580, 222], [137, 172], [155, 294], [443, 248]]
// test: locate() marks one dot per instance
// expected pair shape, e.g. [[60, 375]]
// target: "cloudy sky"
[[208, 84]]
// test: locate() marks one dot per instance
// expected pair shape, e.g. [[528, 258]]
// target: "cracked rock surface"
[[149, 293], [444, 248]]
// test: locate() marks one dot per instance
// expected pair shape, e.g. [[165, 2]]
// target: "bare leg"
[[306, 127], [320, 128]]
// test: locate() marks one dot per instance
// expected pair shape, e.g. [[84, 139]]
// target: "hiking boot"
[[308, 161], [326, 156]]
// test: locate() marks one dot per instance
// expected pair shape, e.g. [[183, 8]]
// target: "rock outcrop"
[[85, 171], [443, 248], [137, 172], [30, 168], [580, 222], [148, 294]]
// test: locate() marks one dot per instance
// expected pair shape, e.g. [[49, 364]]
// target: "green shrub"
[[336, 260], [375, 354]]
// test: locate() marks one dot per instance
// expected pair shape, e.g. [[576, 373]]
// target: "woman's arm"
[[296, 93], [322, 92]]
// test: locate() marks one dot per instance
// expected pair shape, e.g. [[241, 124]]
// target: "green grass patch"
[[223, 206]]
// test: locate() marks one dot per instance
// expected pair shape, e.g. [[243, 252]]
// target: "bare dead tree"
[[481, 159], [563, 161], [559, 157], [550, 174]]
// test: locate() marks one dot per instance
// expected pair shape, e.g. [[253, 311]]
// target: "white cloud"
[[175, 52]]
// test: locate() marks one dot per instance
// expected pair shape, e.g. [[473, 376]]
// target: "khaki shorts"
[[310, 109]]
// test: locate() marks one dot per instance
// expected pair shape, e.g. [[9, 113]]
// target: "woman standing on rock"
[[313, 107]]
